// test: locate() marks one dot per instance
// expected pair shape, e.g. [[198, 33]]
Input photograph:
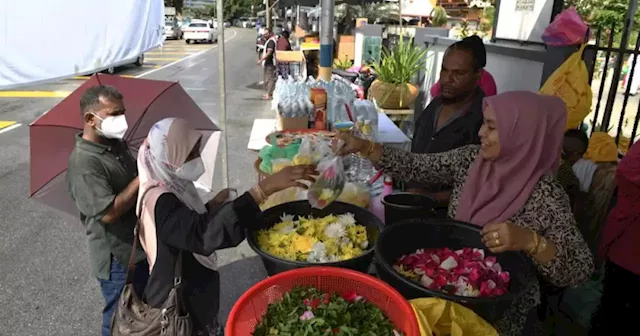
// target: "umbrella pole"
[[223, 96]]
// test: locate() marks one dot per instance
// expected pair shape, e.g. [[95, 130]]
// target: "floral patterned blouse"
[[547, 212]]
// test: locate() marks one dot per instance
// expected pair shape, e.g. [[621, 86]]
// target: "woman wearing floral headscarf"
[[174, 219], [507, 186]]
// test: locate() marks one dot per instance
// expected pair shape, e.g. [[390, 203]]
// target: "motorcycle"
[[360, 81]]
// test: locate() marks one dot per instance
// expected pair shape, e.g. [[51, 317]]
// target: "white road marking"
[[186, 58], [9, 128]]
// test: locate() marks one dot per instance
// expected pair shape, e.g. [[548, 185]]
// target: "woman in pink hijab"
[[507, 186]]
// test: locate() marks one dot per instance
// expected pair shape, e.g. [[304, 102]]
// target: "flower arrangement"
[[309, 311], [328, 239], [465, 272]]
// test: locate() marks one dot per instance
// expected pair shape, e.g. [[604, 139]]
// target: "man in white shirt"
[[575, 145]]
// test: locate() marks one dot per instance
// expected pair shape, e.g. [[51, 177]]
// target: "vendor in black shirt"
[[453, 118], [176, 223]]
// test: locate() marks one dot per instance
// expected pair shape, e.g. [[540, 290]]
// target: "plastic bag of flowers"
[[329, 184], [305, 153]]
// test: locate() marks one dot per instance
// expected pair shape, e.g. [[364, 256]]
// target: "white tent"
[[50, 40]]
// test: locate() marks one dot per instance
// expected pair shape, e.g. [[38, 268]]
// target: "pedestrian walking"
[[268, 62], [102, 181]]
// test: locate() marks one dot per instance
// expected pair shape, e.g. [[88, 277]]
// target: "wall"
[[514, 67], [511, 71]]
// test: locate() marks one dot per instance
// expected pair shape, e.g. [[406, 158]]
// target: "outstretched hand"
[[292, 176], [346, 143]]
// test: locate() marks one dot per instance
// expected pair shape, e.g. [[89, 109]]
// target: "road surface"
[[45, 284]]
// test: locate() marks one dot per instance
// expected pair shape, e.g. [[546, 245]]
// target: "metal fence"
[[616, 99]]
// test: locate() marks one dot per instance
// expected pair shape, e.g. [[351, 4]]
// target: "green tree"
[[232, 9], [487, 19], [606, 14], [603, 14], [178, 4]]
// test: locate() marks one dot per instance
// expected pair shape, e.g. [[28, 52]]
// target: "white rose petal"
[[449, 264], [426, 281]]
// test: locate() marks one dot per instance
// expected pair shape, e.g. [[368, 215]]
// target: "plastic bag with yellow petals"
[[602, 148], [570, 82]]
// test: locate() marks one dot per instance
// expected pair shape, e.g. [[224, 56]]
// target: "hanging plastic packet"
[[321, 149], [305, 153], [330, 184]]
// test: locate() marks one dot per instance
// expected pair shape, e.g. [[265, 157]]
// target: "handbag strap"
[[136, 237]]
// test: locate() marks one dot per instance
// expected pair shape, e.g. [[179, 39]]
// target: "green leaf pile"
[[335, 318]]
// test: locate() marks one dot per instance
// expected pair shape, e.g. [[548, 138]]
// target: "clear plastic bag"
[[329, 185], [284, 196], [355, 194], [305, 153], [279, 164]]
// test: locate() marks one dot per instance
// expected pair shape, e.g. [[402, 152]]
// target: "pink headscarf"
[[531, 131]]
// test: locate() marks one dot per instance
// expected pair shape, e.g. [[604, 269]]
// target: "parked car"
[[172, 30], [200, 31], [137, 61], [239, 22], [249, 23]]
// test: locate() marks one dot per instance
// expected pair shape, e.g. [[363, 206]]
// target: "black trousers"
[[620, 305]]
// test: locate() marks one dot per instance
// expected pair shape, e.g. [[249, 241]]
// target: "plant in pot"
[[393, 88], [439, 16]]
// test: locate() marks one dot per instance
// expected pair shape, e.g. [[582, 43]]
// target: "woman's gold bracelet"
[[542, 246], [260, 193], [536, 244]]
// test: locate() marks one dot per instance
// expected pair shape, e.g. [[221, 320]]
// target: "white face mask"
[[113, 127], [191, 170]]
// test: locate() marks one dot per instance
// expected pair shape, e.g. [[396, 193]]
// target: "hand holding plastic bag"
[[329, 184]]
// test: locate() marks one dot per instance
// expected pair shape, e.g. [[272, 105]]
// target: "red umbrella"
[[52, 136]]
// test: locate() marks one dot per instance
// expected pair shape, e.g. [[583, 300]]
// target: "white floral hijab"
[[166, 148]]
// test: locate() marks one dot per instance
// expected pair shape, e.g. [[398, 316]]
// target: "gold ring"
[[496, 235], [497, 242]]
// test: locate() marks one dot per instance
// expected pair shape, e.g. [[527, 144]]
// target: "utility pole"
[[326, 39], [268, 13], [223, 96]]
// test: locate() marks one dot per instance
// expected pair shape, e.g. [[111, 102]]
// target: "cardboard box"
[[346, 47], [291, 124], [290, 56]]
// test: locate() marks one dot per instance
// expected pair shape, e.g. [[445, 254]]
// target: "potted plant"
[[439, 16], [393, 88]]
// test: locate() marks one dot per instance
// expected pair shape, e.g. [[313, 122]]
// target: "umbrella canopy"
[[52, 136]]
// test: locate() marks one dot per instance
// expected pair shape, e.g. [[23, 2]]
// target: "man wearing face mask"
[[102, 181]]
